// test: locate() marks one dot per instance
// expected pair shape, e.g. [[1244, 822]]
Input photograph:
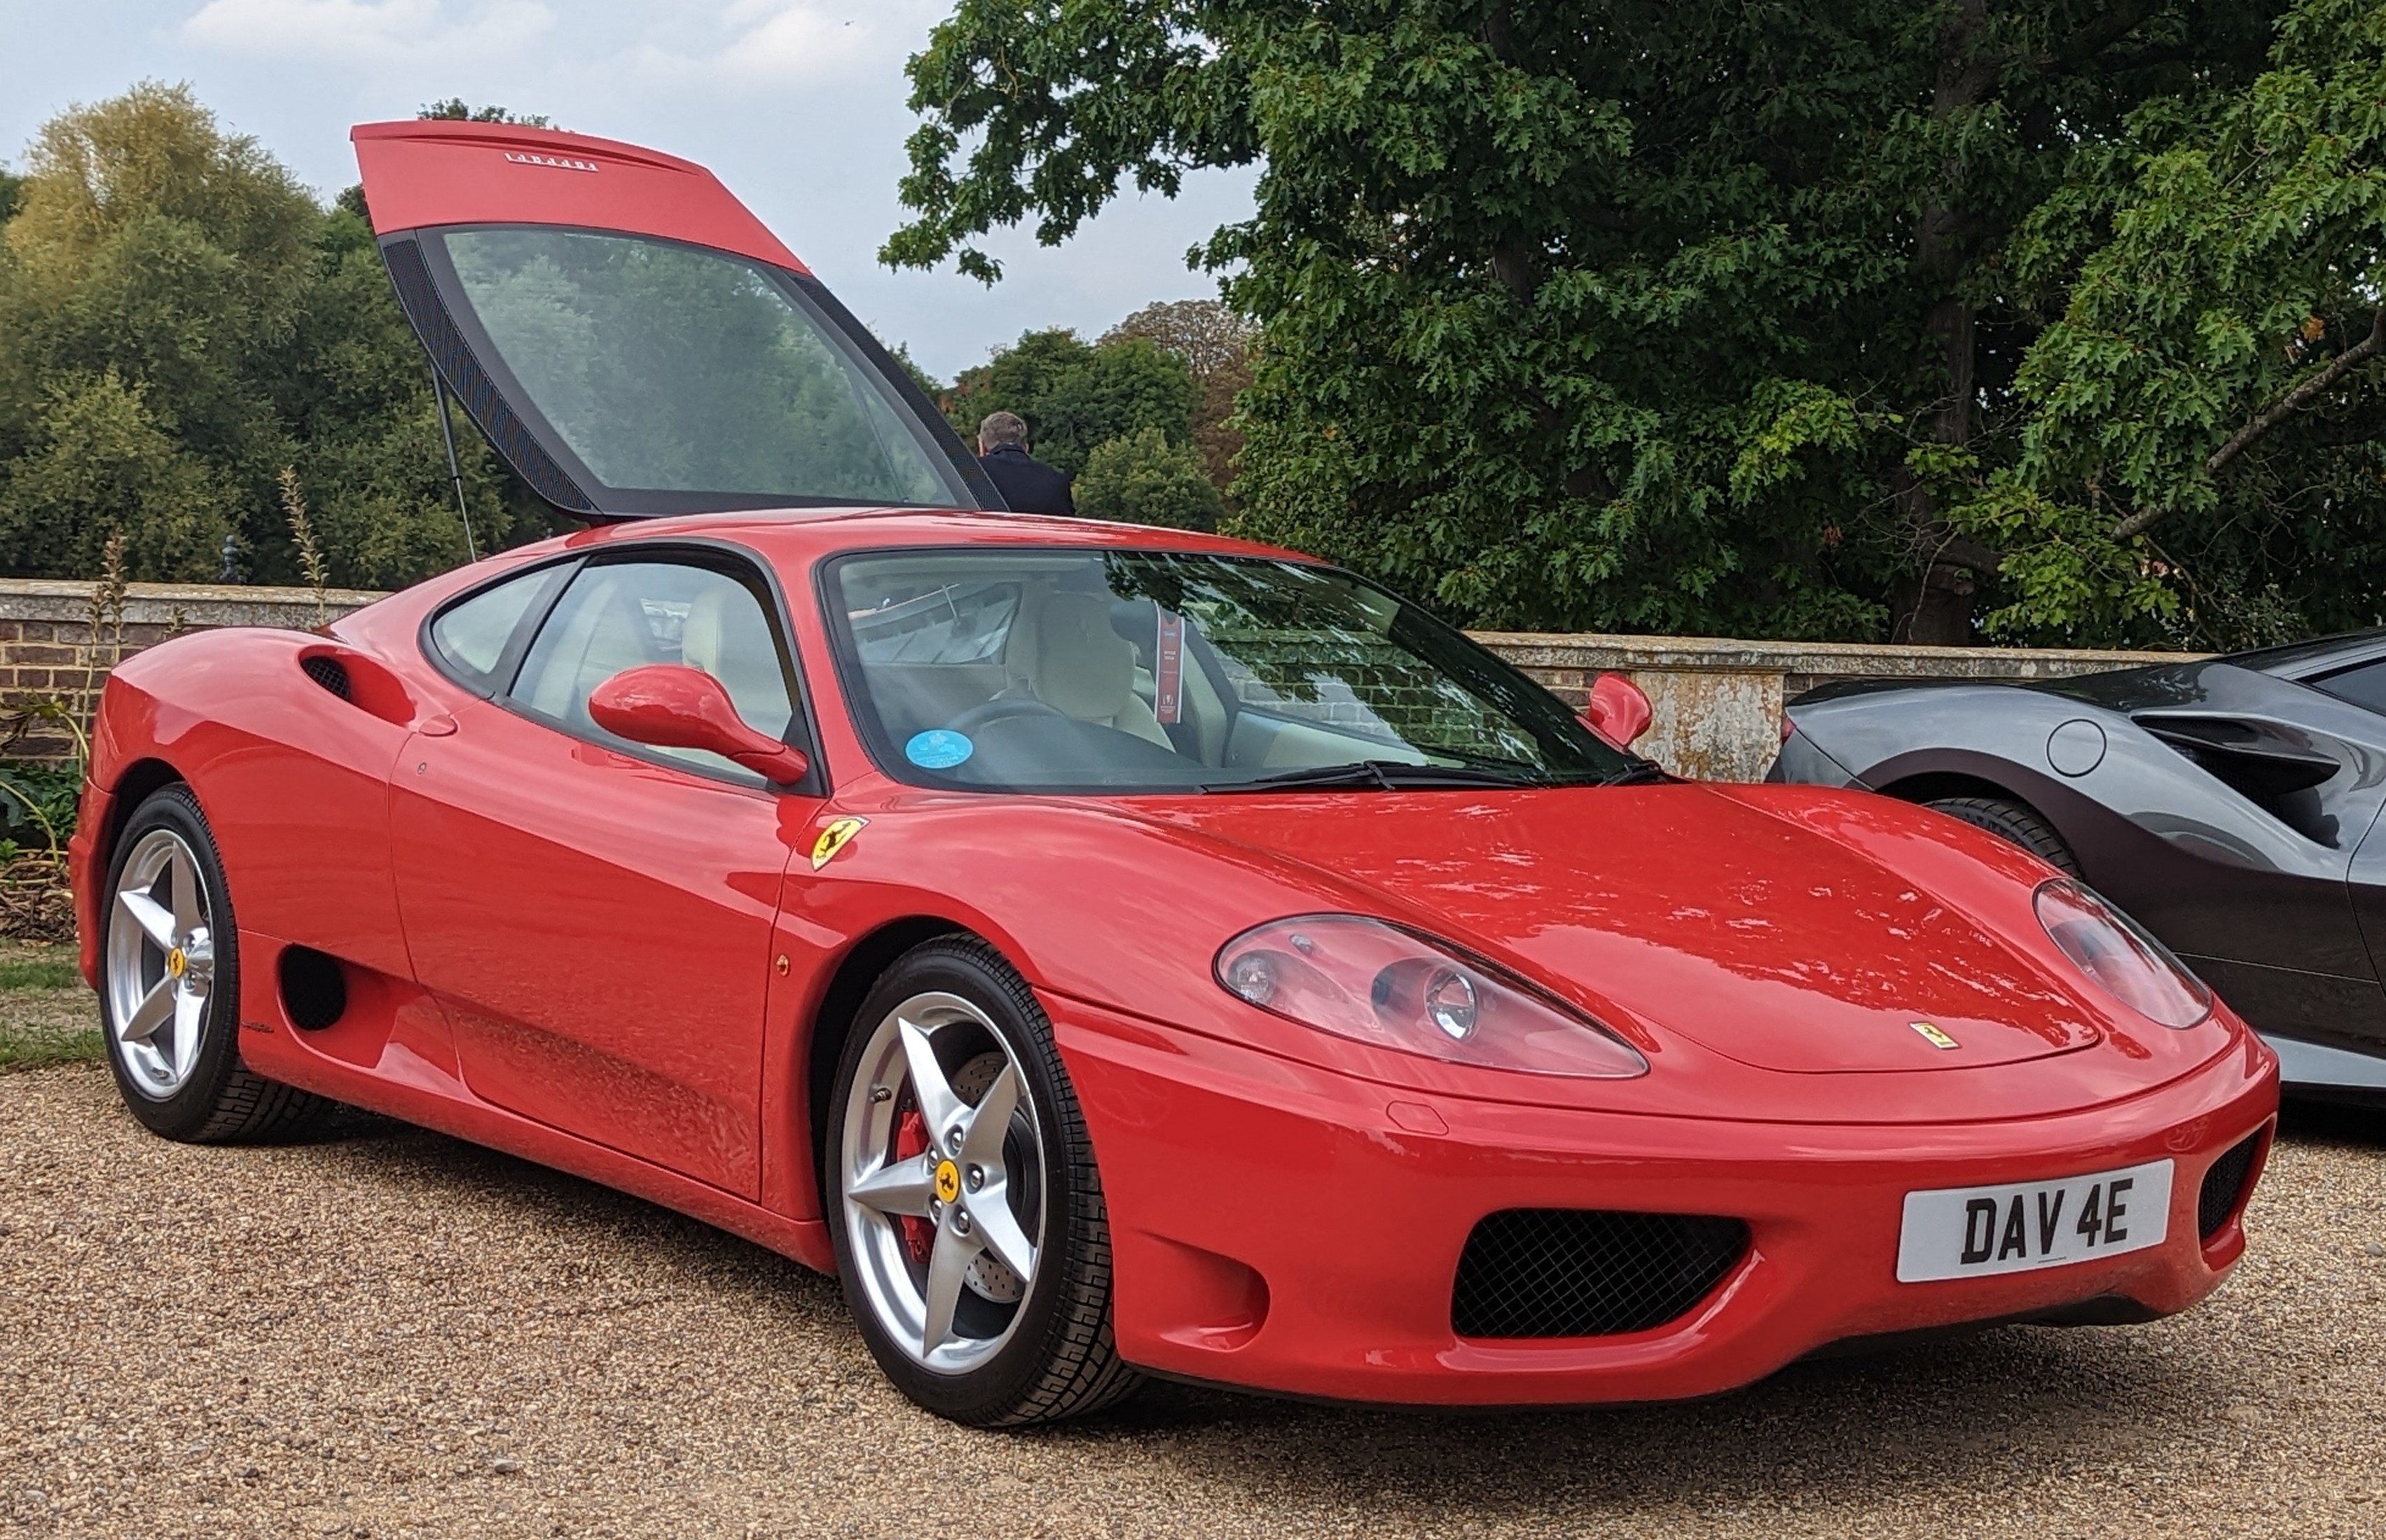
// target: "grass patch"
[[39, 1047], [46, 1015], [29, 973]]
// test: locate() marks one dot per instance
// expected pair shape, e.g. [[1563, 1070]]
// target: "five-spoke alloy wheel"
[[161, 963], [964, 1204], [944, 1190], [169, 985]]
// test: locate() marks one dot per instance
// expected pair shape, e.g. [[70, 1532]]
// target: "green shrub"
[[1141, 478]]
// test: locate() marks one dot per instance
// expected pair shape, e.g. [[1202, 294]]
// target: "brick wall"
[[1717, 703], [49, 645]]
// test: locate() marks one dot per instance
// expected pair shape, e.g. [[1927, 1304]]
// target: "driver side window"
[[626, 614]]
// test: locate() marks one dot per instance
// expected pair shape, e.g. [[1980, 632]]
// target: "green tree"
[[2202, 455], [455, 109], [1143, 478], [100, 460], [1216, 345], [1684, 316], [1077, 394], [179, 321], [930, 386]]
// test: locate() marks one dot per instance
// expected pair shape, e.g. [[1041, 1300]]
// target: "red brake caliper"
[[911, 1140]]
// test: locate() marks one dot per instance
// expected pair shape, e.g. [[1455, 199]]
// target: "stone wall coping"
[[210, 604], [1845, 660], [202, 604], [1716, 702]]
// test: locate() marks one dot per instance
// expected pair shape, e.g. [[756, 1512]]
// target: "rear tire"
[[169, 987], [2016, 823], [930, 1203]]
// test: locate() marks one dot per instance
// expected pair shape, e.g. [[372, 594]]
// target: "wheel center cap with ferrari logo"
[[948, 1180], [177, 963]]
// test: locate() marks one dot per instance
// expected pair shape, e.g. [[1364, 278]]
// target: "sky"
[[796, 104]]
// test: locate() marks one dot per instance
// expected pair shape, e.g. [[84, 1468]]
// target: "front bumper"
[[1283, 1228]]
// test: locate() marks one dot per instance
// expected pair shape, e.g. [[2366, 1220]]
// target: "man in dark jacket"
[[1028, 485]]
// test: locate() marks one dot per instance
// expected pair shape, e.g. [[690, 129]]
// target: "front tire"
[[963, 1203], [169, 986]]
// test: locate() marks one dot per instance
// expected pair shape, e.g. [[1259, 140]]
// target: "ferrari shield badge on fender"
[[1930, 1034], [834, 838]]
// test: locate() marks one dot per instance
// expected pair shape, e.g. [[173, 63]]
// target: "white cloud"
[[785, 41], [377, 30]]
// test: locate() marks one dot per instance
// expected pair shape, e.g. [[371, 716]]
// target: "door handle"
[[439, 726]]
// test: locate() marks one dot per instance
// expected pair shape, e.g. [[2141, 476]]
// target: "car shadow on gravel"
[[2019, 1401], [2360, 1127], [435, 1167], [2013, 1403]]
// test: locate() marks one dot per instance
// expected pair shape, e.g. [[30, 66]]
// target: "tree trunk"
[[1933, 604]]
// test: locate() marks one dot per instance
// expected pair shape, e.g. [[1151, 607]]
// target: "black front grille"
[[2224, 1186], [329, 672], [1588, 1272]]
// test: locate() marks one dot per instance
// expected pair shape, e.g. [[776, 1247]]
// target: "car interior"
[[1045, 677], [1032, 669], [624, 614]]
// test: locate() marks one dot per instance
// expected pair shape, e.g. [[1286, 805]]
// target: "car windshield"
[[1167, 671]]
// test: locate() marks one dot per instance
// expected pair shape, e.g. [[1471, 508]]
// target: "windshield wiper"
[[1391, 775], [1640, 772]]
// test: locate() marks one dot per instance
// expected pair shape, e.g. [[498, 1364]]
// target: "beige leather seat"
[[587, 644], [727, 637], [1069, 657]]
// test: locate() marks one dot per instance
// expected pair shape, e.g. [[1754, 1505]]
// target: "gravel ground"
[[389, 1333]]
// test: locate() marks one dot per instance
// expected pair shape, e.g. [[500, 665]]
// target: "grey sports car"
[[2231, 805]]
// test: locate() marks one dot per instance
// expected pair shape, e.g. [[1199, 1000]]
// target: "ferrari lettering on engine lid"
[[561, 163]]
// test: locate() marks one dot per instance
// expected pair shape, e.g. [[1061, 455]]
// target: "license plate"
[[1972, 1231]]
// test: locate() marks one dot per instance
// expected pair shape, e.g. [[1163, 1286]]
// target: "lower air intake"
[[2224, 1186], [1588, 1272]]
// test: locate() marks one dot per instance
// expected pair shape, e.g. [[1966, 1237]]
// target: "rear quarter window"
[[471, 636]]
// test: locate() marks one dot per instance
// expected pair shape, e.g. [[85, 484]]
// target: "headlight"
[[2130, 965], [1376, 983]]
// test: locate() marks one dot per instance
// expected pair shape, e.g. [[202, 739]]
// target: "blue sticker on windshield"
[[939, 748]]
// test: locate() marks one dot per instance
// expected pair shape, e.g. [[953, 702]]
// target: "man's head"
[[1002, 428]]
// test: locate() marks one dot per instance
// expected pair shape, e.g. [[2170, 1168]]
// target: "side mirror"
[[1618, 712], [673, 706]]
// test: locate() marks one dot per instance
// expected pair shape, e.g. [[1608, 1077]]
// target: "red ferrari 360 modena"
[[1109, 950]]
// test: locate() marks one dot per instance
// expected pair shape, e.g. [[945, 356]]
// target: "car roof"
[[2297, 659], [797, 536]]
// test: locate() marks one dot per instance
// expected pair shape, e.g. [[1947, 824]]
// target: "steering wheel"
[[999, 709]]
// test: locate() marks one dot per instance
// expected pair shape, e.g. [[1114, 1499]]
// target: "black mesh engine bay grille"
[[2224, 1186], [329, 673], [1588, 1272]]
